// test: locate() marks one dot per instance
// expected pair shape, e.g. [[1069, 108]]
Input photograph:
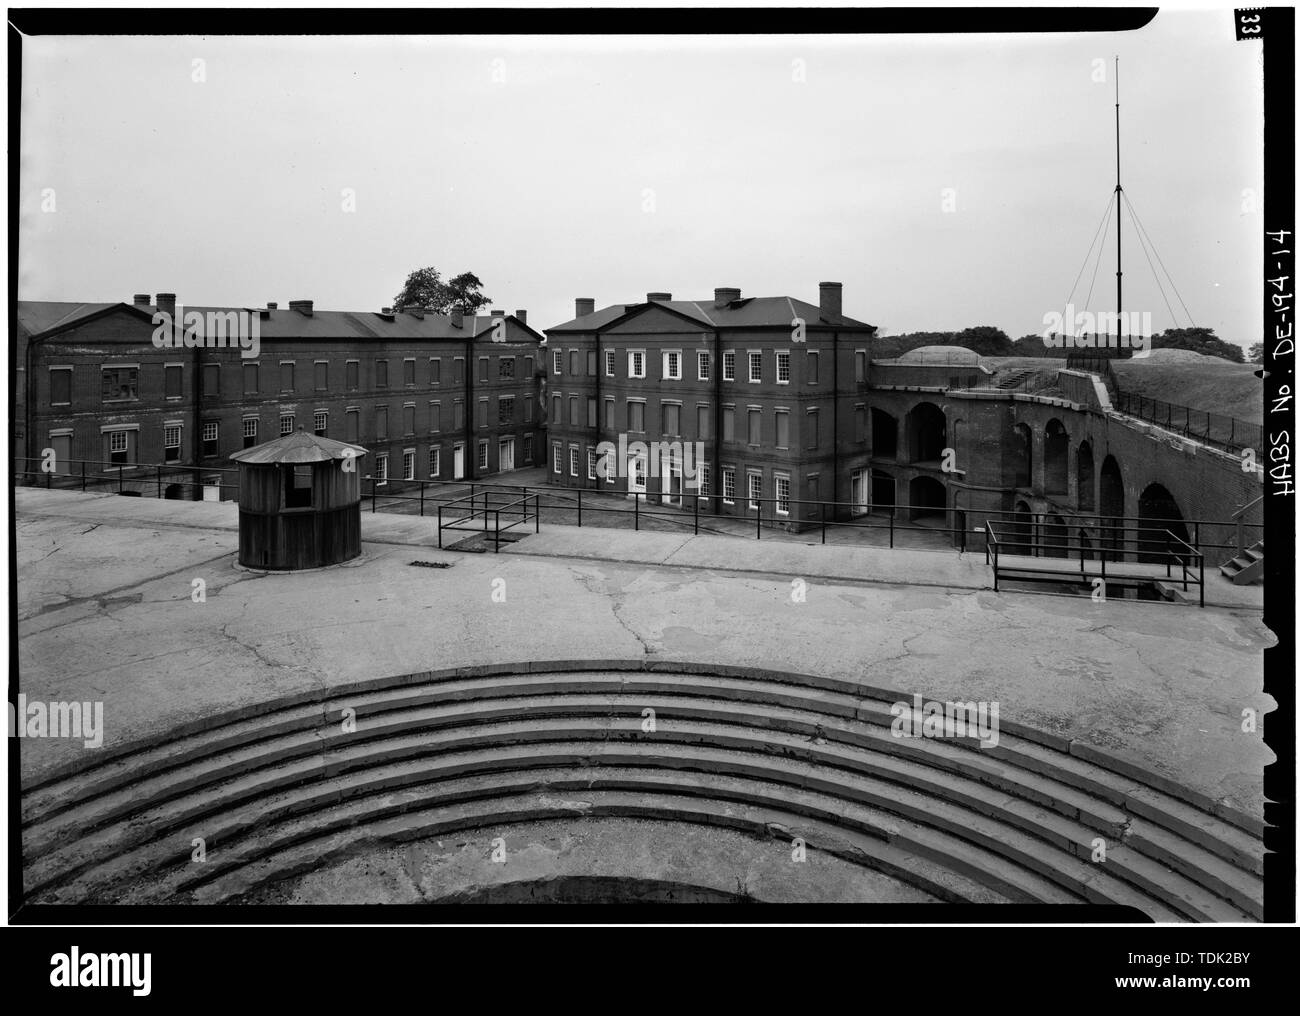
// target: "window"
[[435, 461], [119, 443], [458, 370], [211, 380], [528, 449], [755, 417], [782, 494], [286, 376], [353, 431], [506, 368], [783, 368], [609, 413], [672, 418], [556, 405], [120, 384], [782, 428], [729, 366], [728, 423], [557, 464], [528, 409], [320, 422], [381, 422], [286, 424], [672, 365], [636, 363], [458, 414], [408, 463], [755, 367], [506, 410], [482, 455], [557, 363], [810, 428], [591, 363], [408, 372], [813, 358], [591, 411], [636, 417], [250, 431], [61, 386], [573, 460], [381, 469], [435, 371], [174, 373], [609, 363], [702, 365], [859, 423], [755, 482], [250, 378], [211, 431], [728, 486], [702, 475], [573, 363], [172, 442], [860, 364], [381, 373], [702, 422], [528, 366], [591, 463], [573, 410], [352, 375], [408, 418], [322, 375], [435, 417], [482, 368], [611, 466]]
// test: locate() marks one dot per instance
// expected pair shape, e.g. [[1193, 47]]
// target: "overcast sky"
[[608, 167]]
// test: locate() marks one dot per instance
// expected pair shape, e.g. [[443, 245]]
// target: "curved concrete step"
[[947, 771], [1051, 847], [1204, 865]]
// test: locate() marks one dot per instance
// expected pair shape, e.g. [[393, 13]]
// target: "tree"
[[1255, 354], [985, 340], [424, 288], [1198, 340]]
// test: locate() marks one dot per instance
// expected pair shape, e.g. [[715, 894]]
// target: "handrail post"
[[159, 482], [421, 499], [440, 526], [696, 503], [892, 510], [121, 477], [579, 507], [758, 520], [374, 495], [636, 510], [83, 476], [537, 513], [823, 514], [496, 534]]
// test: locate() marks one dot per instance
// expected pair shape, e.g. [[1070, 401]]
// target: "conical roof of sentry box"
[[299, 448]]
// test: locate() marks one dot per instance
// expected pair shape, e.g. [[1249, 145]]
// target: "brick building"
[[773, 389], [430, 396]]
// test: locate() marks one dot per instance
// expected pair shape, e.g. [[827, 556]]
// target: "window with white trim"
[[320, 422], [755, 367], [286, 424], [557, 360], [211, 432], [755, 484], [609, 363], [573, 460], [408, 463], [591, 463], [782, 367], [435, 461], [672, 365], [728, 485], [782, 494], [119, 444], [250, 431], [381, 469], [636, 363], [172, 442], [557, 457], [702, 365], [703, 478], [729, 365], [483, 454]]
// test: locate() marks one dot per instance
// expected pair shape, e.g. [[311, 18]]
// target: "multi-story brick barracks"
[[429, 396], [789, 407], [757, 395]]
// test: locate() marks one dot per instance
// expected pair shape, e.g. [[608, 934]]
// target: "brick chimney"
[[301, 306], [272, 305], [724, 295], [498, 313], [583, 306], [652, 297], [142, 299], [832, 301], [522, 316], [457, 317], [167, 304], [415, 312]]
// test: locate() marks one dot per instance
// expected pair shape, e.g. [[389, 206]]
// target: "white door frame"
[[458, 461]]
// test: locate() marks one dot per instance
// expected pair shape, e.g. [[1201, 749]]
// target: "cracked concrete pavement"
[[106, 612]]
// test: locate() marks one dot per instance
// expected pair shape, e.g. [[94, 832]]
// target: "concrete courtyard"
[[108, 612]]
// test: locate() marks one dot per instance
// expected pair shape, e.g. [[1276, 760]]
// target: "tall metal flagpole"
[[1119, 214]]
